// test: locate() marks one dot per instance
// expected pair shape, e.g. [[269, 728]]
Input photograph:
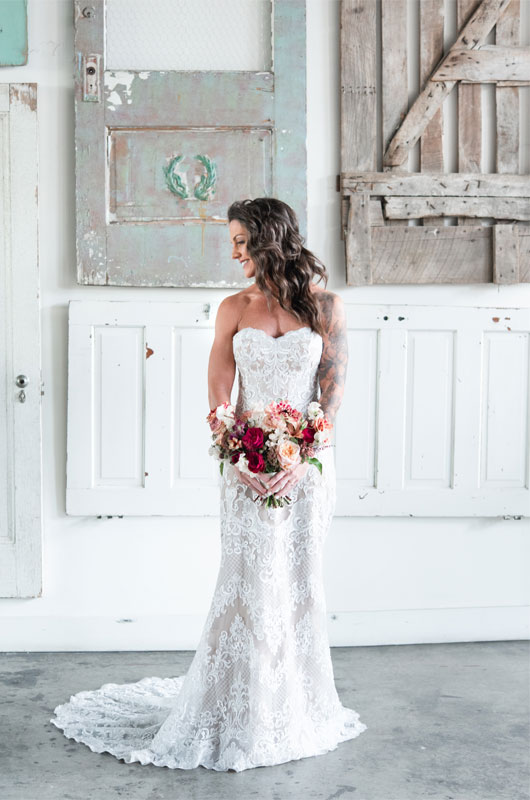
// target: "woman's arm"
[[221, 364], [334, 361]]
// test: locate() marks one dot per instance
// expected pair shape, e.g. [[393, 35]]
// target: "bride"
[[260, 689]]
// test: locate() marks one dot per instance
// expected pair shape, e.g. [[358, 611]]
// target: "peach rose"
[[288, 454]]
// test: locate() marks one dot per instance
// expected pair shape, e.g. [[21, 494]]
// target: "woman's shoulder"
[[328, 300], [332, 311]]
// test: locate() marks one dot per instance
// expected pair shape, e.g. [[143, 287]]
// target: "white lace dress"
[[260, 689]]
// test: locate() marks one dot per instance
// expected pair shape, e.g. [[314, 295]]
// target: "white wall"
[[388, 580]]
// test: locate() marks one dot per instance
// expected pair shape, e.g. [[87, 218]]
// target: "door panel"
[[161, 154]]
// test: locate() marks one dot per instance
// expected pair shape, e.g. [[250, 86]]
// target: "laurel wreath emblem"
[[204, 189]]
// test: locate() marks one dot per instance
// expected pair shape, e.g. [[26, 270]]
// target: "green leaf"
[[221, 465], [316, 462]]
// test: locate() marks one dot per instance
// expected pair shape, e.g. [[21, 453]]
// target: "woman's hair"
[[284, 267]]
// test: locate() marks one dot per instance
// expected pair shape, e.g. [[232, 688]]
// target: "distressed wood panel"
[[469, 99], [154, 178], [141, 190], [20, 422], [507, 97], [395, 99], [431, 42], [443, 199], [505, 254], [358, 85], [358, 248], [431, 255], [430, 98], [448, 185], [487, 64], [140, 99], [499, 207]]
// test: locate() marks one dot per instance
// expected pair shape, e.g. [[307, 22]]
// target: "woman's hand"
[[281, 483], [252, 480]]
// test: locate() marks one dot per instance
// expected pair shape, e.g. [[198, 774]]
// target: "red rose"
[[308, 435], [253, 439], [256, 462], [235, 458]]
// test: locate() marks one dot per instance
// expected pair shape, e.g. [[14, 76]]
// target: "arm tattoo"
[[334, 361]]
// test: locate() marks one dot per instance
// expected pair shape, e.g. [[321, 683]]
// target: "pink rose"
[[256, 462], [253, 439], [288, 454]]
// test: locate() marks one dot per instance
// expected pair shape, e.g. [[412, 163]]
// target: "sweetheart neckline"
[[274, 338]]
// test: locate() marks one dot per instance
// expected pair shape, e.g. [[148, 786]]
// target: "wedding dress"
[[260, 689]]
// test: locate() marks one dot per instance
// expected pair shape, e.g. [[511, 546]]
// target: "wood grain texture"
[[505, 254], [431, 51], [431, 255], [432, 95], [469, 110], [395, 98], [447, 185], [358, 236], [513, 208], [358, 85], [507, 32], [487, 65]]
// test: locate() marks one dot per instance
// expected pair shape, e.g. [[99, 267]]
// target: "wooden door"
[[430, 225], [441, 416], [161, 153], [20, 376]]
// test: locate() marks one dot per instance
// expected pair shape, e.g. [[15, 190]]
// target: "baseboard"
[[346, 629]]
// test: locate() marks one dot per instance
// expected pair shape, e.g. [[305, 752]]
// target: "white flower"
[[320, 437], [214, 451], [314, 410], [226, 414], [242, 464]]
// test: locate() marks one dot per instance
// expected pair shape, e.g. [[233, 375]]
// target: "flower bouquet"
[[277, 437]]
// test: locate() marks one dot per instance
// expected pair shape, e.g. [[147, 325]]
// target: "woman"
[[260, 688]]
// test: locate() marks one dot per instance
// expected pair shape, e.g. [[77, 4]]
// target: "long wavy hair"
[[284, 267]]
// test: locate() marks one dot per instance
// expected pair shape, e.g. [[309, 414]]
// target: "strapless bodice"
[[281, 368]]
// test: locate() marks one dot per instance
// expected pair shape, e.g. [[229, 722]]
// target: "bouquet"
[[277, 437]]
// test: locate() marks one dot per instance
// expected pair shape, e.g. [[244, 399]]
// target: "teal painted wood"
[[289, 65], [13, 33], [162, 155]]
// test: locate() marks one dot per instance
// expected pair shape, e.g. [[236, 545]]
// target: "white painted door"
[[20, 376], [434, 420]]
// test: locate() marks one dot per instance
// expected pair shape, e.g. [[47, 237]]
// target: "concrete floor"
[[445, 722]]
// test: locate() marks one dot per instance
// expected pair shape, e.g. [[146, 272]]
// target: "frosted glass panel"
[[188, 35]]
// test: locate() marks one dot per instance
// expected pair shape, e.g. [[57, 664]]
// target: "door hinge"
[[337, 183]]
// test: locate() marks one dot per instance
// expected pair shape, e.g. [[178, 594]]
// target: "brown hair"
[[284, 267]]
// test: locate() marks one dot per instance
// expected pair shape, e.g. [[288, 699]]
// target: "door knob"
[[21, 381]]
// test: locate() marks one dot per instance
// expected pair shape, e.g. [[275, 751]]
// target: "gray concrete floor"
[[445, 722]]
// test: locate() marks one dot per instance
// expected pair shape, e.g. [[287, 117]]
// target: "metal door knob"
[[21, 381]]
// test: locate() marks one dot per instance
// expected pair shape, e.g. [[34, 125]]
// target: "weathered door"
[[20, 378], [414, 220], [162, 149]]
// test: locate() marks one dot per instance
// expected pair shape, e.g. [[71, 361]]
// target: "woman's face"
[[239, 237]]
